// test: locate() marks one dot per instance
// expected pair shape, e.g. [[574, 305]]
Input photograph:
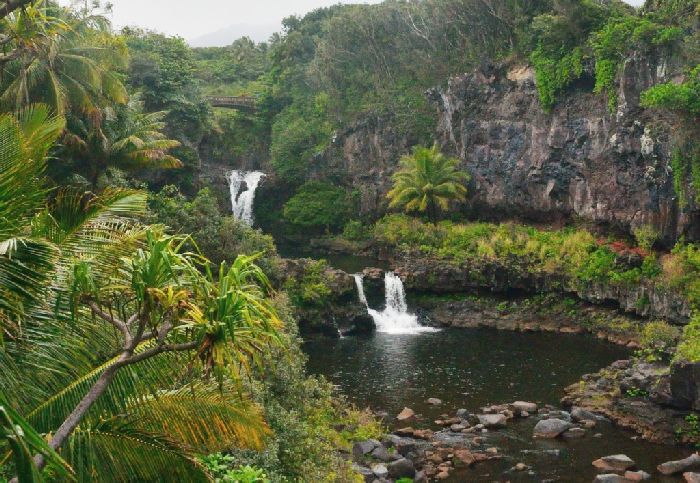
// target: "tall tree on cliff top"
[[427, 182]]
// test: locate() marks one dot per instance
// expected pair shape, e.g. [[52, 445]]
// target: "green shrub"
[[299, 133], [318, 205], [312, 288], [598, 267], [218, 235], [355, 230], [618, 37], [223, 468], [689, 347], [681, 271], [646, 236], [553, 73], [683, 97], [658, 340]]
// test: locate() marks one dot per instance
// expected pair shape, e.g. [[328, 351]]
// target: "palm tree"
[[427, 182], [128, 139], [111, 330], [62, 60]]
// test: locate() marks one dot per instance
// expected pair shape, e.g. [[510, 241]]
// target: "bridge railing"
[[232, 101]]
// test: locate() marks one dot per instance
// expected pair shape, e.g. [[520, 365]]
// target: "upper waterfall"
[[242, 199]]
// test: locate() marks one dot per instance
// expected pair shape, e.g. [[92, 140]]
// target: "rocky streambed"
[[463, 449]]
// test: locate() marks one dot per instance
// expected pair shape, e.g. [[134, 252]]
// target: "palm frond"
[[23, 443], [115, 450], [204, 417], [129, 385]]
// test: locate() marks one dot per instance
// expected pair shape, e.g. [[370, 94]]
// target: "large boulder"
[[492, 421], [551, 428], [520, 406], [691, 463], [611, 478], [402, 468], [616, 462], [362, 448], [406, 414], [579, 414], [685, 385]]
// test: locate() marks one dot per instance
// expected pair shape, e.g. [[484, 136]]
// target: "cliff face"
[[364, 156], [577, 161]]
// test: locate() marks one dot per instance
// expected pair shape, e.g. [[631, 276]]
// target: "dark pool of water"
[[472, 368]]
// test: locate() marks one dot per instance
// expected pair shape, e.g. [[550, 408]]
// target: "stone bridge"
[[248, 103]]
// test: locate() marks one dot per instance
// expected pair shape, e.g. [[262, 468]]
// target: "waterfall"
[[360, 289], [242, 200], [395, 318]]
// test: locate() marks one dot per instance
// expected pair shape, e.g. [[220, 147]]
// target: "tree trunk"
[[80, 410], [432, 213]]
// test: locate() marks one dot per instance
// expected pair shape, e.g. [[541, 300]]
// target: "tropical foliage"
[[67, 60], [128, 139], [428, 182], [318, 205], [88, 265]]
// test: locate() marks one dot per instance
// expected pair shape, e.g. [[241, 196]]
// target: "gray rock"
[[380, 471], [691, 477], [621, 364], [616, 462], [611, 478], [402, 468], [691, 463], [492, 420], [405, 446], [520, 406], [383, 454], [550, 428], [462, 413], [573, 433], [361, 448], [457, 427], [405, 414], [579, 414], [434, 401], [638, 475], [685, 385]]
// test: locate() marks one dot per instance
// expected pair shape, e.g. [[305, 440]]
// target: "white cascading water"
[[360, 289], [395, 318], [242, 201]]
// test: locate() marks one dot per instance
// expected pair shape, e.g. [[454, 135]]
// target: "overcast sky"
[[193, 19]]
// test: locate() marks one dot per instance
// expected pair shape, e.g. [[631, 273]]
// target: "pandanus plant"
[[112, 331]]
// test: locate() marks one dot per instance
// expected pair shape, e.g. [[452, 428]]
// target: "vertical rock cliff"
[[577, 161]]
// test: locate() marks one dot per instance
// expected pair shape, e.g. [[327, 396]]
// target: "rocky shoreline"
[[533, 314], [463, 441], [639, 396]]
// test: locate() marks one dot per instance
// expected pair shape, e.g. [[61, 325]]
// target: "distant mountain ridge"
[[226, 36]]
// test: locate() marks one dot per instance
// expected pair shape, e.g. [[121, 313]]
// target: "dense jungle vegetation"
[[143, 330]]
